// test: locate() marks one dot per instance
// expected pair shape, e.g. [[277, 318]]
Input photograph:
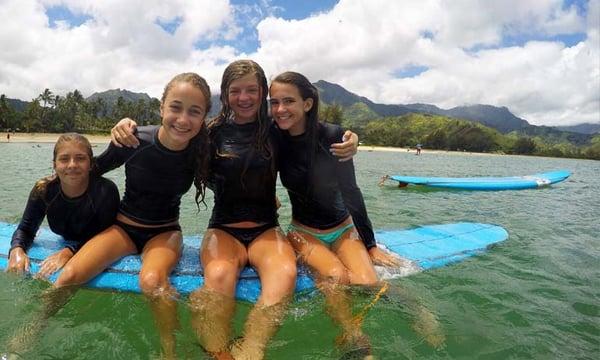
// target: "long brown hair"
[[200, 161], [41, 186], [234, 71], [307, 91]]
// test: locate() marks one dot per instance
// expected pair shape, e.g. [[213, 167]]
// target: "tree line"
[[443, 133], [54, 113]]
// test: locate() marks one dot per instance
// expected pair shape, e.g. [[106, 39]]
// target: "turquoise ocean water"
[[536, 296]]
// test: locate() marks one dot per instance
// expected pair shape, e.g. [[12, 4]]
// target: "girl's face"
[[72, 164], [244, 97], [288, 108], [183, 113]]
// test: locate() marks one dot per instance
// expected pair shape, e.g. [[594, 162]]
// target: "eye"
[[197, 112]]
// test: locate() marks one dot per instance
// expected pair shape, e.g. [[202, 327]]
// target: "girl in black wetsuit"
[[330, 228], [78, 206], [158, 172]]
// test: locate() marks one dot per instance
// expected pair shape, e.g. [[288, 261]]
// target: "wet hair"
[[200, 161], [307, 91], [234, 71], [42, 184]]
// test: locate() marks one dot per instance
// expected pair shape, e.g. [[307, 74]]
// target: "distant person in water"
[[419, 149], [383, 179], [77, 206], [8, 136]]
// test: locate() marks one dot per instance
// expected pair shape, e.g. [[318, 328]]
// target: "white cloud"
[[360, 44], [120, 46]]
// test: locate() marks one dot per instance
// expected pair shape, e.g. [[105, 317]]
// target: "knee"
[[67, 277], [279, 283], [366, 279], [337, 274], [287, 274], [151, 283], [221, 274]]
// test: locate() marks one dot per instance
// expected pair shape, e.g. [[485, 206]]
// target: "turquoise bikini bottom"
[[328, 238]]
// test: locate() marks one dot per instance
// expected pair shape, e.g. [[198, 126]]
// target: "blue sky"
[[540, 58]]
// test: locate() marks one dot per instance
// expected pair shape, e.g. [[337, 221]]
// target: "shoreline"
[[105, 139], [48, 138]]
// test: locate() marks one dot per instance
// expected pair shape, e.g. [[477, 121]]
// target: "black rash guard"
[[155, 177], [76, 219], [242, 196], [327, 199]]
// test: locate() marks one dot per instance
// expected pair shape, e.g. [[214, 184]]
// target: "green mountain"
[[17, 105], [359, 111], [585, 128], [112, 96]]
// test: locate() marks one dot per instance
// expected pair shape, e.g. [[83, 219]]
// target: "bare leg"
[[353, 254], [159, 258], [95, 256], [213, 305], [53, 300], [331, 278], [274, 259]]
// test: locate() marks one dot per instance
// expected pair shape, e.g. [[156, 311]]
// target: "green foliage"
[[524, 145], [53, 113], [332, 114], [443, 133]]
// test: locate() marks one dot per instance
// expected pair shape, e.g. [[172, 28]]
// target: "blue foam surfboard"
[[487, 183], [426, 246]]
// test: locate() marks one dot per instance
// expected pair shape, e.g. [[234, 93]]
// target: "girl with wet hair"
[[169, 158], [78, 205]]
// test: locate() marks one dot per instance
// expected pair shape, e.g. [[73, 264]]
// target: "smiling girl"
[[157, 173]]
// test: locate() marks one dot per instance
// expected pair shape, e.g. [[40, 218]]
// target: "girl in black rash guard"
[[330, 228], [158, 172], [78, 206]]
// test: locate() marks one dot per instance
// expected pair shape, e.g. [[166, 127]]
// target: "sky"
[[539, 58]]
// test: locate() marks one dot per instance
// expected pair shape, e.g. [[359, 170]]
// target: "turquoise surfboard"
[[427, 247], [487, 183]]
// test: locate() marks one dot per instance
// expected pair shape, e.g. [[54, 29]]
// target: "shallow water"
[[536, 296]]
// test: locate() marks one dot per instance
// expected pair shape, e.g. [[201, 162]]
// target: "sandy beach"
[[49, 138], [105, 139]]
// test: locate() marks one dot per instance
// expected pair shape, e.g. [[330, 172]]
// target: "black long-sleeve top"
[[155, 177], [325, 200], [76, 219], [238, 195]]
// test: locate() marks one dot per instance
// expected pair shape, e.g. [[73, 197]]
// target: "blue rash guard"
[[155, 177], [76, 219], [242, 195], [325, 200]]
